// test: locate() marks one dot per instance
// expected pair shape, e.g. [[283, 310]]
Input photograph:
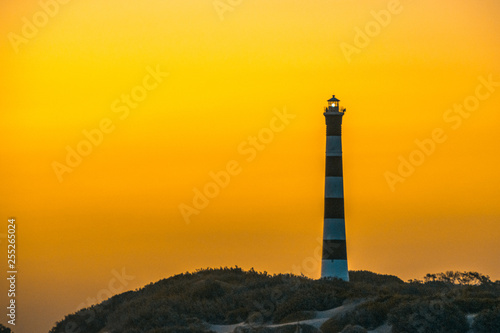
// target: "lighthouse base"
[[335, 269]]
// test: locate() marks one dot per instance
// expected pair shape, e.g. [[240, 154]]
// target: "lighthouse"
[[334, 259]]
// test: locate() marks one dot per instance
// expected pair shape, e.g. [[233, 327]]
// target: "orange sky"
[[229, 74]]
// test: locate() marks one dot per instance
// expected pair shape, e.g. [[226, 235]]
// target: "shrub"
[[298, 316], [293, 329], [335, 324], [4, 329], [372, 314], [237, 316], [487, 321], [373, 278], [354, 329], [132, 330], [428, 316], [208, 290], [475, 305]]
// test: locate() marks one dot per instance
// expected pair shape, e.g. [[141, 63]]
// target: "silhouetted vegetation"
[[192, 302], [428, 316], [4, 329], [487, 321], [461, 278], [354, 329]]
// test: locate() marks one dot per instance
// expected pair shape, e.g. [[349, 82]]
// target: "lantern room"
[[333, 103], [333, 106]]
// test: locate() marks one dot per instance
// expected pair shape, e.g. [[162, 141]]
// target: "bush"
[[308, 299], [4, 329], [428, 316], [487, 321], [475, 305], [256, 329], [208, 290], [237, 316], [354, 329], [132, 330], [372, 314], [335, 324], [373, 278], [298, 316], [293, 329]]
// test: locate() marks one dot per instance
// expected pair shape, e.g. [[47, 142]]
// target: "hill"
[[233, 300]]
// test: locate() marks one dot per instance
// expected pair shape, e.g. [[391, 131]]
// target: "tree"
[[461, 278]]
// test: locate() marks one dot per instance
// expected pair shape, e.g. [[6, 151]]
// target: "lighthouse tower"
[[334, 263]]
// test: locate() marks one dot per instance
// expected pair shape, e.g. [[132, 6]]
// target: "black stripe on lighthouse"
[[333, 166], [334, 249], [334, 126], [334, 208]]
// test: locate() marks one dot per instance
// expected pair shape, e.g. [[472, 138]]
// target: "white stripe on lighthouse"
[[334, 187], [335, 268], [334, 229], [334, 145]]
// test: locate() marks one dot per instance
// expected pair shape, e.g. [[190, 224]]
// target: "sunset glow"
[[146, 139]]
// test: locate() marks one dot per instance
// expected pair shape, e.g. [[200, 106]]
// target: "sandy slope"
[[321, 317]]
